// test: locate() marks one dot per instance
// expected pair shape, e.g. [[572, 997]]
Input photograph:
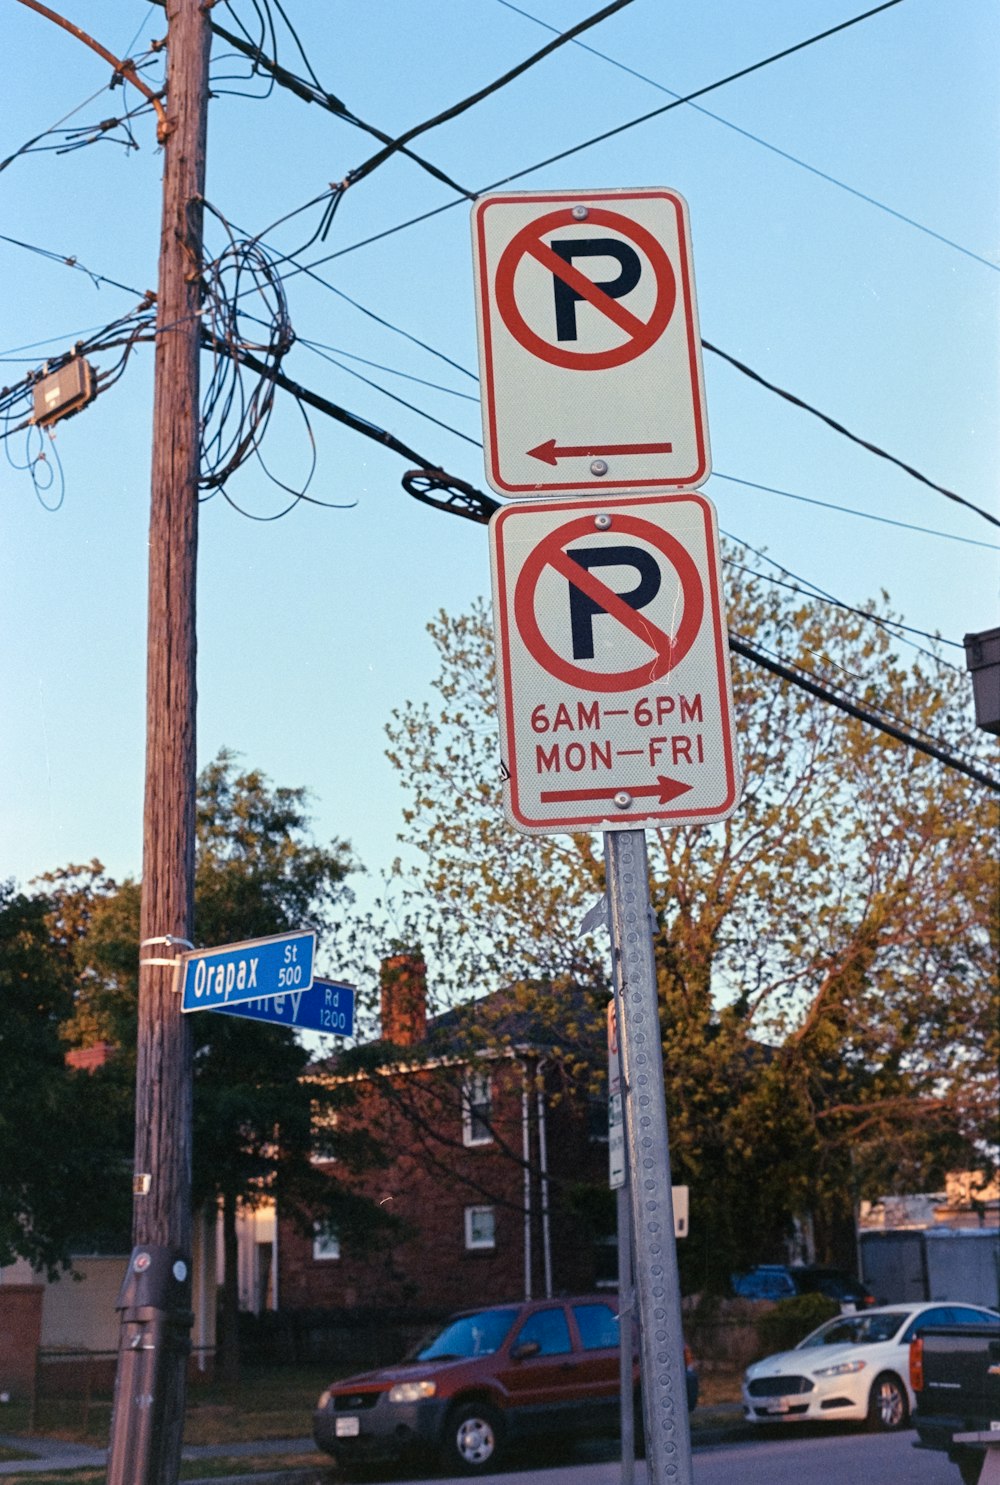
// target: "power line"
[[872, 448], [752, 652], [465, 499], [654, 113], [812, 592], [597, 139], [850, 510], [764, 143], [70, 261], [350, 371], [514, 72], [332, 350]]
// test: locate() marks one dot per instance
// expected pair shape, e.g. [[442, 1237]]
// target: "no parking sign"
[[590, 353], [613, 678]]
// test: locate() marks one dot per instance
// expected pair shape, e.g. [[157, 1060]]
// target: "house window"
[[326, 1244], [477, 1110], [324, 1123], [480, 1227]]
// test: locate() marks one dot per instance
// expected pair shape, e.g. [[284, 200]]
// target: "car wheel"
[[472, 1437], [888, 1407]]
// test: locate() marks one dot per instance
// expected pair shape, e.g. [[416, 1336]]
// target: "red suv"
[[543, 1367]]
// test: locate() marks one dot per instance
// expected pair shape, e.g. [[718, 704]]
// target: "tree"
[[826, 970], [257, 873], [59, 1128]]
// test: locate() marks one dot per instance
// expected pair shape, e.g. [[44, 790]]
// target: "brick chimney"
[[403, 979]]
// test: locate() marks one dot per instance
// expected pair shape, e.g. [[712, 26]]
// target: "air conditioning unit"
[[62, 393]]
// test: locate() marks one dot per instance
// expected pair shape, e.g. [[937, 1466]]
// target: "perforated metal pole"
[[657, 1283]]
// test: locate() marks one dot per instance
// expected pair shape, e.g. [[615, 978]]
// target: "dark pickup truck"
[[955, 1377]]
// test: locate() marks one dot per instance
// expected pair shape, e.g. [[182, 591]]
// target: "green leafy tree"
[[257, 873], [60, 1128], [826, 969]]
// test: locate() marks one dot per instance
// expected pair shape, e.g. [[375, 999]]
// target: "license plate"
[[347, 1428], [778, 1407]]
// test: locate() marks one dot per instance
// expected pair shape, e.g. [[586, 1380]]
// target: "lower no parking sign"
[[613, 677]]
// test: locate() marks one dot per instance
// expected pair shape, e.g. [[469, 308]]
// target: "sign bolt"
[[602, 522], [598, 466], [580, 213], [623, 800]]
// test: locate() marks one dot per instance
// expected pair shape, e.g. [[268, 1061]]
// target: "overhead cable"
[[468, 502], [810, 591], [764, 143], [752, 652], [466, 103], [850, 510], [872, 448]]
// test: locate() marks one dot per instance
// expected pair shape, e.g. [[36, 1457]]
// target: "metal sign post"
[[657, 1283]]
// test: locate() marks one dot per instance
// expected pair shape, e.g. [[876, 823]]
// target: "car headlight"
[[404, 1392], [841, 1369], [324, 1399]]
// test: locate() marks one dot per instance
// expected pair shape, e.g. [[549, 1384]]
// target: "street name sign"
[[589, 348], [253, 970], [613, 681], [327, 1007]]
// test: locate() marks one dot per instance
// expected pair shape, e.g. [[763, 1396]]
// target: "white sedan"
[[854, 1368]]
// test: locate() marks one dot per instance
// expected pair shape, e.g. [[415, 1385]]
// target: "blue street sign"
[[326, 1007], [254, 970]]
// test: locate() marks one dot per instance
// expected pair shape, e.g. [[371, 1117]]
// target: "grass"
[[268, 1403]]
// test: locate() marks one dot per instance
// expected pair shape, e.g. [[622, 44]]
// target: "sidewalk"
[[56, 1454], [721, 1424]]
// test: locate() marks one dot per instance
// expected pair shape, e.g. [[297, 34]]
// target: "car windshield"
[[857, 1330], [468, 1335]]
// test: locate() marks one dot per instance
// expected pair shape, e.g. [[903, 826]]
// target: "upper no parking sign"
[[589, 346]]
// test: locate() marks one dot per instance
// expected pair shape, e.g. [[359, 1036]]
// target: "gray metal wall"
[[939, 1263]]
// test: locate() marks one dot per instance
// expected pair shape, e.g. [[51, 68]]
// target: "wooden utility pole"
[[150, 1385]]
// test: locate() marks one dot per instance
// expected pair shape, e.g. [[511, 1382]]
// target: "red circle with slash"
[[668, 649], [641, 333]]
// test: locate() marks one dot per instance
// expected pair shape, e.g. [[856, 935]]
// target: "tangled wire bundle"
[[244, 311]]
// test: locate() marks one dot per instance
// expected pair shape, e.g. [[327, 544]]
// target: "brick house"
[[493, 1171]]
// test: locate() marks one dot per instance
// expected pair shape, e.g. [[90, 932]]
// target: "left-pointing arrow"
[[551, 452], [664, 789]]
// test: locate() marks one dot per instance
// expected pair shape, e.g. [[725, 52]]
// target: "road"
[[828, 1459]]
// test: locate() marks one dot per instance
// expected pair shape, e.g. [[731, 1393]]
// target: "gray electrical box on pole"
[[982, 658]]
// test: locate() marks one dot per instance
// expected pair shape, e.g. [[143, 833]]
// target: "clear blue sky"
[[312, 627]]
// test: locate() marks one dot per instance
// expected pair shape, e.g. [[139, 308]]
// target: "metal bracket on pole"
[[170, 940], [657, 1282]]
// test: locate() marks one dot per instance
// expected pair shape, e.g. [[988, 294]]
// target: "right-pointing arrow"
[[664, 789]]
